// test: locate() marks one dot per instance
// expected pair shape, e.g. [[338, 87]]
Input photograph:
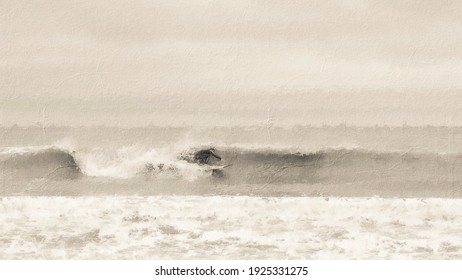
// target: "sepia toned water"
[[227, 227], [305, 193]]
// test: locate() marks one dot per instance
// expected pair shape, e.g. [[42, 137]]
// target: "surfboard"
[[216, 167]]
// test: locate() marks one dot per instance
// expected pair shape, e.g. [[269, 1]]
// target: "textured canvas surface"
[[230, 129]]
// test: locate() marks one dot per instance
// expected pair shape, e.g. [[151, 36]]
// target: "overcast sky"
[[220, 62]]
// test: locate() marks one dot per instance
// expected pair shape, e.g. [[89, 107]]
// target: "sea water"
[[229, 227]]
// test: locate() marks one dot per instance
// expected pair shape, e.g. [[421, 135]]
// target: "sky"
[[225, 63]]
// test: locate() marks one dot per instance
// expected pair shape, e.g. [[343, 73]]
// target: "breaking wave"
[[249, 166], [129, 162]]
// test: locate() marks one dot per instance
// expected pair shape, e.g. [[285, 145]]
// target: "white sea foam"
[[229, 227], [127, 162]]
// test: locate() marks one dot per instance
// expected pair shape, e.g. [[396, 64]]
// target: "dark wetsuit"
[[203, 156]]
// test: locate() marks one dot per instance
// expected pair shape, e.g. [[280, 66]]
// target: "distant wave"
[[247, 165]]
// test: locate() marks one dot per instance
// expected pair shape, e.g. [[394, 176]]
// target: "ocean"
[[229, 227], [285, 193]]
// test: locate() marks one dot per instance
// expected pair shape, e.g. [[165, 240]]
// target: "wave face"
[[38, 162], [335, 166], [246, 166]]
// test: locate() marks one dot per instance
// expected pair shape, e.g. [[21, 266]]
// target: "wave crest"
[[38, 162]]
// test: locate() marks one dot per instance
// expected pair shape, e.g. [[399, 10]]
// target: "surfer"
[[204, 156]]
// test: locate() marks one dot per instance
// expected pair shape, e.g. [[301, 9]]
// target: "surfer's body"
[[204, 156]]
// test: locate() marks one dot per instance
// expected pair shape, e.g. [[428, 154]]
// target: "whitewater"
[[194, 227]]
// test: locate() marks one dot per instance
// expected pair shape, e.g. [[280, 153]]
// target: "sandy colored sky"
[[237, 62]]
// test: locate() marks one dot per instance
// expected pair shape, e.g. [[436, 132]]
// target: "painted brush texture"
[[314, 109], [192, 227]]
